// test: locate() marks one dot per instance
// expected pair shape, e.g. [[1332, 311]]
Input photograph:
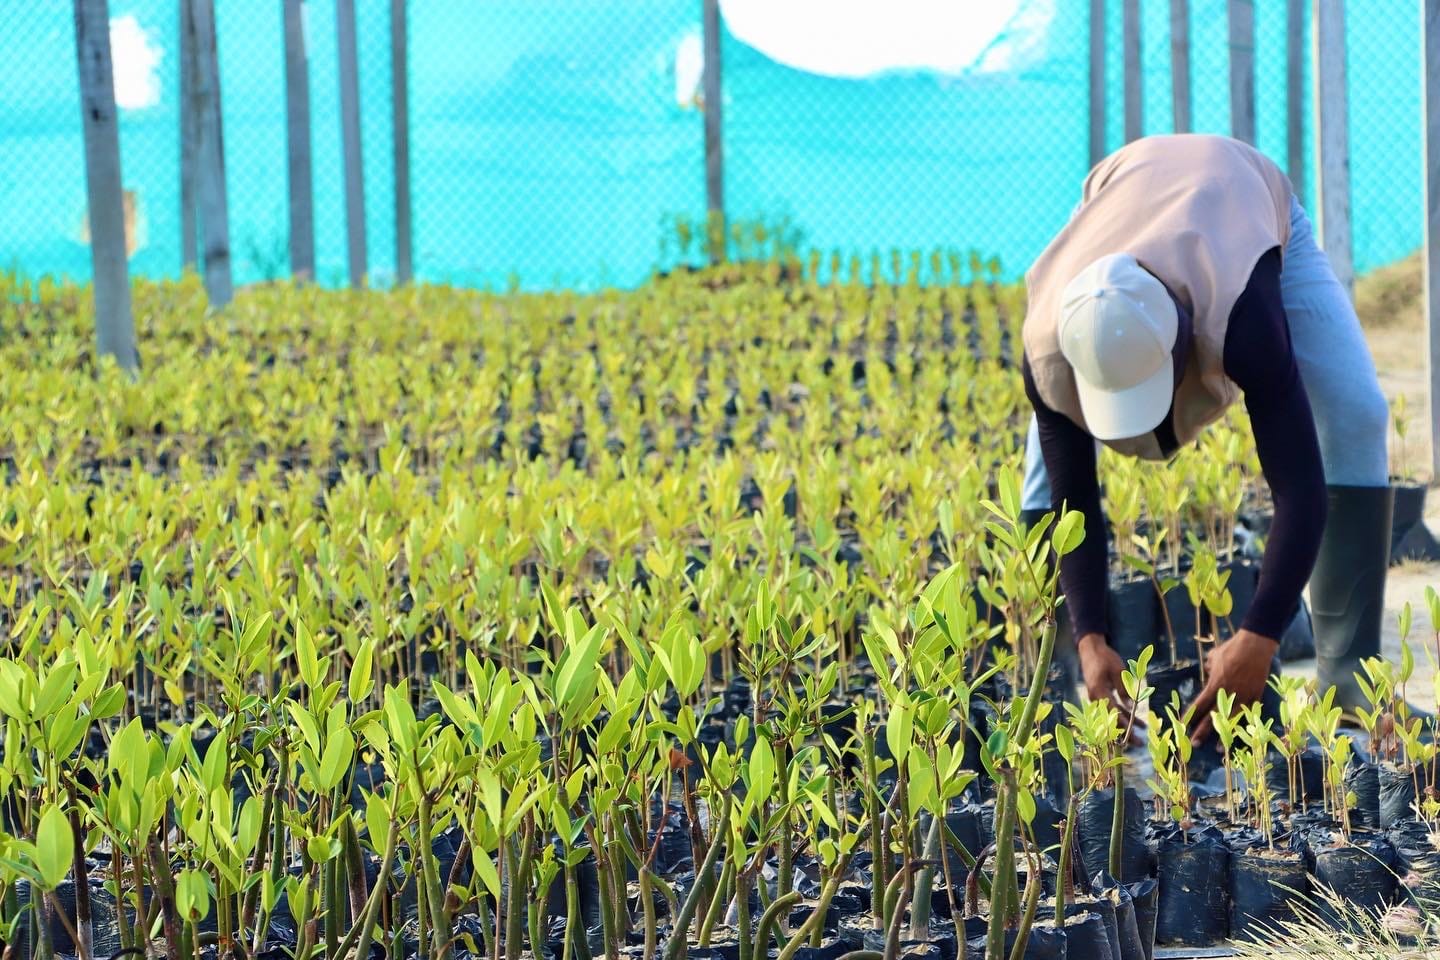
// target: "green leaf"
[[58, 686], [109, 703], [898, 730], [306, 658], [762, 769], [335, 761], [362, 680], [1025, 805], [54, 847], [1010, 493], [1065, 744], [67, 729], [377, 820], [923, 793], [322, 849], [192, 895], [999, 739], [1069, 533], [217, 757], [485, 867]]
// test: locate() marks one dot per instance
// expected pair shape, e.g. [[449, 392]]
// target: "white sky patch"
[[136, 55], [689, 69], [858, 38]]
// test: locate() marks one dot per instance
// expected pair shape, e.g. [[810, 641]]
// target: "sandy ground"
[[1399, 352]]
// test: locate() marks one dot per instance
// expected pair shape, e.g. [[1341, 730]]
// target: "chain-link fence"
[[561, 141]]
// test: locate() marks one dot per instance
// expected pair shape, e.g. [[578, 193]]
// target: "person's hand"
[[1241, 666], [1101, 668]]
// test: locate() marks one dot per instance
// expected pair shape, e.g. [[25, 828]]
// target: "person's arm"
[[1261, 361], [1069, 454]]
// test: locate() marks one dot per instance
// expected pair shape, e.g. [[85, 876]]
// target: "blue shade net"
[[560, 144]]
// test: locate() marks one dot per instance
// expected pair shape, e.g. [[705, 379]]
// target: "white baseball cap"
[[1117, 329]]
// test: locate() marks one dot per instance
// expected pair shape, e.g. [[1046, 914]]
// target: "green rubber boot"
[[1347, 588]]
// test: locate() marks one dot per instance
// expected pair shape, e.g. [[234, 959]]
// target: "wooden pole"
[[1295, 94], [210, 156], [1430, 78], [1242, 69], [350, 141], [1097, 81], [114, 326], [297, 142], [188, 136], [1180, 64], [400, 113], [1134, 91], [713, 89], [1332, 139]]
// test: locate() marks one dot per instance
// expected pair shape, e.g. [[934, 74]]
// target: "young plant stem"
[[575, 941], [1004, 872], [165, 884], [519, 883], [54, 905], [770, 918], [1027, 919], [1117, 824], [429, 869], [122, 919], [675, 949], [717, 902], [360, 935], [924, 881], [815, 921], [786, 866], [965, 857], [744, 884], [609, 929], [897, 917], [880, 862], [84, 943], [355, 870], [1063, 878]]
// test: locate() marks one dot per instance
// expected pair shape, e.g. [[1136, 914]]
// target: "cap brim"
[[1124, 414]]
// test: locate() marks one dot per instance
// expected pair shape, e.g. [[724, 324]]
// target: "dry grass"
[[1392, 296], [1404, 933]]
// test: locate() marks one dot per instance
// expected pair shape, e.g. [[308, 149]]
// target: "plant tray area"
[[700, 620]]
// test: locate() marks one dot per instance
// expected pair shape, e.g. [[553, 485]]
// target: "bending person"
[[1187, 278]]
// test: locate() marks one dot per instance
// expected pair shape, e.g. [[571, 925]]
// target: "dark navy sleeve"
[[1260, 359], [1069, 454]]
